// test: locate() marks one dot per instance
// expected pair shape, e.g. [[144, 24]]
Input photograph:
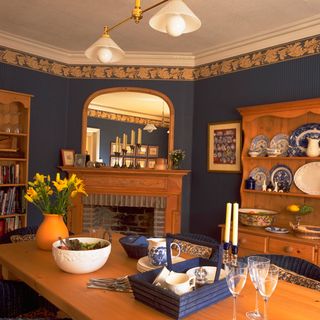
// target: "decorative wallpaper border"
[[126, 118], [289, 51]]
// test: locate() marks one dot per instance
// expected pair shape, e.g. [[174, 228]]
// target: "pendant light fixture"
[[150, 127], [175, 18]]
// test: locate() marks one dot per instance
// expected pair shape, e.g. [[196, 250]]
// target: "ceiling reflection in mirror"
[[135, 124]]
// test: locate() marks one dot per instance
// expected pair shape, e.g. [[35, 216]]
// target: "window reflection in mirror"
[[110, 113]]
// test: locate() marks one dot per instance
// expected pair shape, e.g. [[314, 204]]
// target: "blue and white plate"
[[282, 175], [298, 141], [260, 144], [276, 229], [260, 175], [281, 143]]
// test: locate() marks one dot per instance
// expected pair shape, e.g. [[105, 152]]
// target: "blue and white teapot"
[[157, 251]]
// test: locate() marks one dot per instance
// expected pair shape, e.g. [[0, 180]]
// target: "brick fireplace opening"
[[127, 214], [160, 190]]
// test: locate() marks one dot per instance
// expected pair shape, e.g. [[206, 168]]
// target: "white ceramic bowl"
[[81, 261]]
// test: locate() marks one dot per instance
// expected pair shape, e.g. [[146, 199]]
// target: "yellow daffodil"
[[53, 196]]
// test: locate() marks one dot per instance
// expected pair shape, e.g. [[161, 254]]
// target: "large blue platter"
[[298, 140]]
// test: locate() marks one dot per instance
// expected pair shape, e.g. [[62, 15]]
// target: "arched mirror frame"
[[127, 89]]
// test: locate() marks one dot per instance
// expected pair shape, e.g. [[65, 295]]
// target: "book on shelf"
[[12, 201], [10, 173], [2, 227]]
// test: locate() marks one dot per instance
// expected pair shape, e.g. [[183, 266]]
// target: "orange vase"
[[49, 231]]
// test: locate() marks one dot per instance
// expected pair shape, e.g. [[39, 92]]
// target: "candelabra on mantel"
[[124, 152], [116, 163], [138, 146], [132, 147]]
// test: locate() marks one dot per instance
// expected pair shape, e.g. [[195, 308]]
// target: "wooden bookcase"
[[270, 120], [14, 158]]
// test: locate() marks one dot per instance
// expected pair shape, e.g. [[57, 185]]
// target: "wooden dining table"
[[69, 292]]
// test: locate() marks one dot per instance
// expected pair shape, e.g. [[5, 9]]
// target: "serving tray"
[[172, 304]]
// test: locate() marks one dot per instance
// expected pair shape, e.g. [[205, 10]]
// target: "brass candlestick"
[[226, 253], [116, 164], [138, 145], [234, 256], [124, 152], [132, 147]]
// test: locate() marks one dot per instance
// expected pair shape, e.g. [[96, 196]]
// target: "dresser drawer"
[[252, 242], [301, 250]]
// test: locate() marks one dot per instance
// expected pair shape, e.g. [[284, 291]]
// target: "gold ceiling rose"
[[175, 18]]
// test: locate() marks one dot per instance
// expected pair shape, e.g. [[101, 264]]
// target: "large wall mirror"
[[113, 112]]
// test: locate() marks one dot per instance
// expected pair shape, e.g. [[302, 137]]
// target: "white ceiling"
[[63, 29]]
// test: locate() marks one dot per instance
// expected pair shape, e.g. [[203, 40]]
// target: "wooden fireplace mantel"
[[107, 180]]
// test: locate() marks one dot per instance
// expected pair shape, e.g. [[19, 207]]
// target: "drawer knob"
[[242, 240], [288, 249]]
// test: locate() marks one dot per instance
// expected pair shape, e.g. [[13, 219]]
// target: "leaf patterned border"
[[272, 55]]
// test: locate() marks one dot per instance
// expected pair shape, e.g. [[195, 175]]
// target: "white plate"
[[277, 230], [211, 272], [281, 143], [143, 263], [260, 144], [260, 175], [307, 178]]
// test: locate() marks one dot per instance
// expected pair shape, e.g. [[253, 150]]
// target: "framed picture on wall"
[[153, 151], [79, 160], [67, 157], [224, 147], [151, 163], [142, 162], [142, 151], [113, 161], [112, 148]]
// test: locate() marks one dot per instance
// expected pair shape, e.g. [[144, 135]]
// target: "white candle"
[[228, 223], [133, 137], [139, 136], [124, 141], [235, 224], [117, 144]]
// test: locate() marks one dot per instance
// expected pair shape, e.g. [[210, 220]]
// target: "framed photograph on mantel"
[[67, 157], [224, 147]]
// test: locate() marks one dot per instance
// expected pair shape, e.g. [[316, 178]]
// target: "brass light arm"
[[137, 13]]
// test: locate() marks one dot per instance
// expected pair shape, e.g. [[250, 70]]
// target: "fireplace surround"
[[132, 185]]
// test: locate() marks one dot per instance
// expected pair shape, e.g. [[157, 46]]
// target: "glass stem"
[[265, 315], [234, 315], [256, 310]]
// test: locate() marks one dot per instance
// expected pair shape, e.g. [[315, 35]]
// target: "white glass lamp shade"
[[150, 127], [104, 50], [175, 18]]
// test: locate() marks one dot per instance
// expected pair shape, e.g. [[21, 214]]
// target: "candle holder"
[[138, 146], [124, 152], [226, 253], [234, 256], [116, 164], [132, 147]]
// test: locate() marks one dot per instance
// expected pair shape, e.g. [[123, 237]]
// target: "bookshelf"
[[14, 158]]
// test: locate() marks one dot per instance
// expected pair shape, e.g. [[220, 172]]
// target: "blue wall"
[[216, 99], [56, 118], [109, 129], [56, 115]]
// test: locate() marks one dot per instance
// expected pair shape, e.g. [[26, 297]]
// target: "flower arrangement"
[[176, 156], [53, 197]]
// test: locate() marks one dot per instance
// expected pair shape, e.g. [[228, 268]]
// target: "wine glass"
[[236, 279], [264, 263], [267, 282]]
